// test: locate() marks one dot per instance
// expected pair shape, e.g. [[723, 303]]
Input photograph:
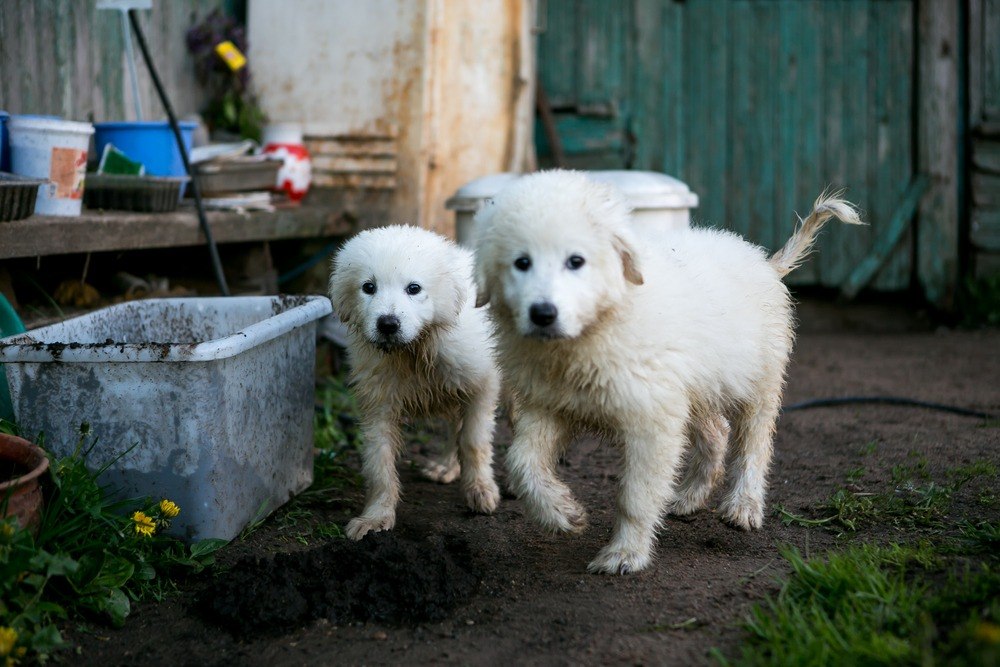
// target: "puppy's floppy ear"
[[343, 291], [630, 259], [455, 288]]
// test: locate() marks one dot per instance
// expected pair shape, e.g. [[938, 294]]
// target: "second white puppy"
[[418, 348], [655, 346]]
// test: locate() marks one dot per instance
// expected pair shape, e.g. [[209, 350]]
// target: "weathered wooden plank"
[[937, 251], [984, 230], [986, 154], [991, 60], [705, 80], [601, 56], [91, 232], [985, 189], [557, 52], [349, 164], [889, 237], [65, 57], [892, 140], [741, 158], [646, 86]]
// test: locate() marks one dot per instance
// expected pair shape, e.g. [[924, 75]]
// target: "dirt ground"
[[535, 603]]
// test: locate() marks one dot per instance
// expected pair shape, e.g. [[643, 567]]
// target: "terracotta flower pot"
[[21, 466]]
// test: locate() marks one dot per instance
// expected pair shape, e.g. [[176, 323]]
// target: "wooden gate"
[[757, 105]]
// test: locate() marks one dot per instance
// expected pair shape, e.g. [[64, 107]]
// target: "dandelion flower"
[[143, 524], [8, 637], [169, 508]]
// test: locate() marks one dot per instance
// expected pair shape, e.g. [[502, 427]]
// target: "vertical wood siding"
[[64, 57], [757, 105]]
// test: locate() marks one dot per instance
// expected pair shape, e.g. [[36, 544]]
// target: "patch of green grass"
[[913, 501], [872, 605], [90, 559], [979, 302]]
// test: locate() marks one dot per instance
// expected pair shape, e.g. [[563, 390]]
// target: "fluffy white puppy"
[[658, 347], [417, 348]]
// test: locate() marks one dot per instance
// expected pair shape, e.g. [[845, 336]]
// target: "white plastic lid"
[[649, 189], [42, 124], [470, 196], [642, 190]]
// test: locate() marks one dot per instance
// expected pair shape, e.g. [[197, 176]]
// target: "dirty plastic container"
[[56, 150], [205, 401], [4, 142], [659, 202], [470, 197], [150, 142]]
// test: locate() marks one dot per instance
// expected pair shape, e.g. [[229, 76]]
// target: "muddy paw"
[[565, 516], [613, 560], [687, 505], [745, 516], [442, 473], [361, 526], [483, 496]]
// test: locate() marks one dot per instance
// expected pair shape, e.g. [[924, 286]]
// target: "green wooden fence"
[[757, 104]]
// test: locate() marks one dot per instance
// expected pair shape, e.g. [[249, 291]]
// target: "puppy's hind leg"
[[753, 433], [444, 469], [382, 442], [539, 439], [475, 451], [709, 438]]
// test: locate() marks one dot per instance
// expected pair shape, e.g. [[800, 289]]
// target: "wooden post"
[[938, 148]]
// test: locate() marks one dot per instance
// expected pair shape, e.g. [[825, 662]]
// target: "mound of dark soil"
[[381, 578]]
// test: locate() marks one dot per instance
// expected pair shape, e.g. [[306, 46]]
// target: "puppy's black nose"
[[543, 314], [387, 324]]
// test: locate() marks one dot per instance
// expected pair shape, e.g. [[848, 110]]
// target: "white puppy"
[[658, 347], [417, 348]]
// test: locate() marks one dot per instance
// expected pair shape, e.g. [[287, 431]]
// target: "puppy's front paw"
[[564, 516], [362, 525], [483, 496], [617, 560], [441, 472], [745, 515]]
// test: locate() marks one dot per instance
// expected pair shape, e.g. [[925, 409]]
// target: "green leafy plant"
[[92, 557]]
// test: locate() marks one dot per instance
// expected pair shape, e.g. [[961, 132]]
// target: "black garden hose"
[[885, 400], [220, 276]]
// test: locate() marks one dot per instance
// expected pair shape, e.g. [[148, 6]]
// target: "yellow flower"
[[6, 530], [8, 637], [169, 508], [988, 632], [143, 524]]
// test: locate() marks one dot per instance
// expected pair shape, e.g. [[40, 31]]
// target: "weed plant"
[[91, 558]]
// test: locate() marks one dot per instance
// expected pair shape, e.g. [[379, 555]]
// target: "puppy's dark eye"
[[413, 288], [574, 262], [368, 287], [522, 263]]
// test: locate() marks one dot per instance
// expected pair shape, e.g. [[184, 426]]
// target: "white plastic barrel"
[[659, 202], [56, 150]]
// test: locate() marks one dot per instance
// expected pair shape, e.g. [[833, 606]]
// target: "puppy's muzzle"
[[387, 325], [543, 314]]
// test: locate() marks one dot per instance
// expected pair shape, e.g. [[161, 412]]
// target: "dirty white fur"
[[663, 348], [440, 362]]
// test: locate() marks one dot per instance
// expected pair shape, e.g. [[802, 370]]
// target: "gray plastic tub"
[[214, 396]]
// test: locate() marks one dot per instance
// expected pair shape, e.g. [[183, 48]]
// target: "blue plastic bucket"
[[4, 142], [148, 142]]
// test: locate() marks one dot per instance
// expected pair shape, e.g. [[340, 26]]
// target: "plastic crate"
[[205, 401]]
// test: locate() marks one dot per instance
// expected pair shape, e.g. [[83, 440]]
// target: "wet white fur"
[[660, 346], [441, 362]]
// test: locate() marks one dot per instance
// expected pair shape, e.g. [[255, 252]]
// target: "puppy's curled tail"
[[795, 251]]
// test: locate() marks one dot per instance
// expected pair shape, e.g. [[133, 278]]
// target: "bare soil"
[[531, 600]]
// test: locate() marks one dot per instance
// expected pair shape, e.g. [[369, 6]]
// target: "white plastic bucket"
[[55, 150]]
